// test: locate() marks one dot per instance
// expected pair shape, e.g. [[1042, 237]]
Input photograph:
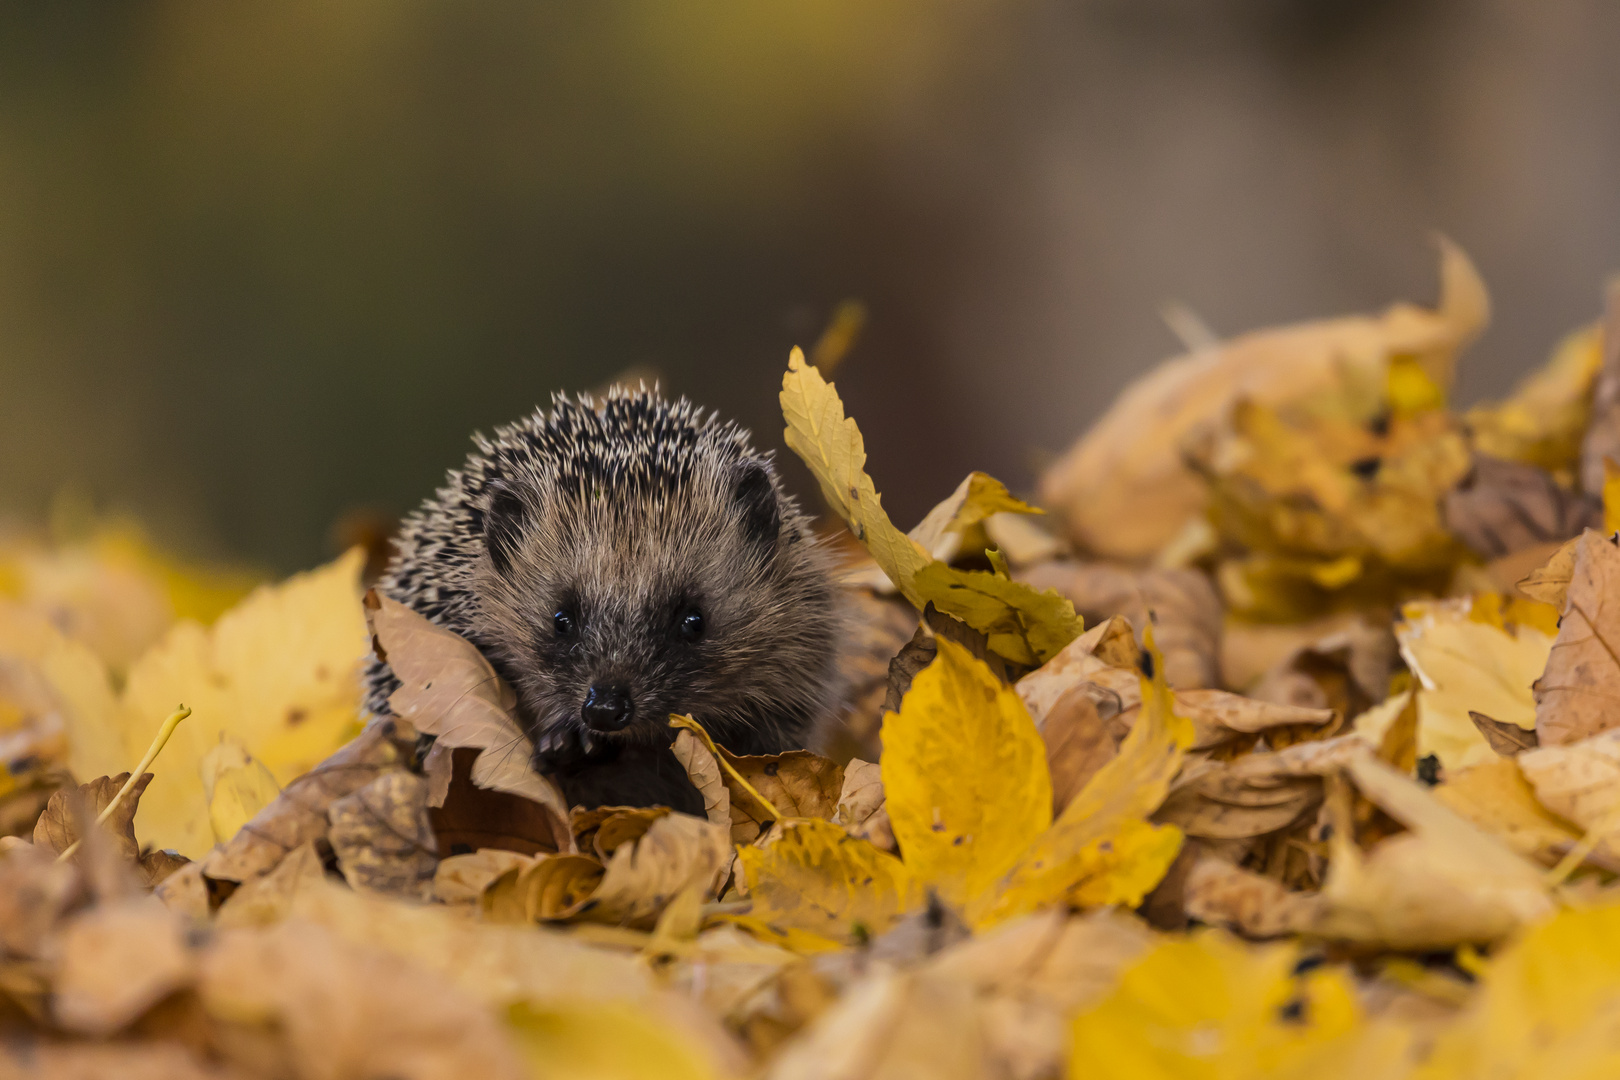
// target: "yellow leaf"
[[1466, 664], [1211, 1007], [976, 498], [1546, 1006], [1611, 496], [817, 878], [278, 674], [1542, 422], [1101, 846], [1411, 389], [1025, 626], [965, 774], [604, 1040], [831, 445], [236, 785]]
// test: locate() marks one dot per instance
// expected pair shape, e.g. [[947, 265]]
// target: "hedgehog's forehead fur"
[[626, 514]]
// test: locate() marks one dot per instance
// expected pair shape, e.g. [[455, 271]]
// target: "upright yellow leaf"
[[976, 498], [1025, 626], [1102, 850], [818, 878], [831, 445], [965, 774]]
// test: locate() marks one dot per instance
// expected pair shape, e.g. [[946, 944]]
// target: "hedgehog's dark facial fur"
[[639, 548]]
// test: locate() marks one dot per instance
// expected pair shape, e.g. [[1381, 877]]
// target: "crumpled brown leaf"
[[56, 830], [383, 838], [1080, 739], [1255, 794], [798, 783], [1506, 739], [861, 809], [1549, 582], [448, 690], [704, 772], [299, 814], [1577, 694], [1501, 507], [1346, 671], [1222, 894], [1123, 489]]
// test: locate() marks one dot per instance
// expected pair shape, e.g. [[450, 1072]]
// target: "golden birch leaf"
[[831, 445], [1575, 696], [965, 775], [1212, 1007], [1025, 626], [817, 878], [1101, 850]]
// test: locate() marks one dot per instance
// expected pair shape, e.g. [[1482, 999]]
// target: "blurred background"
[[264, 266]]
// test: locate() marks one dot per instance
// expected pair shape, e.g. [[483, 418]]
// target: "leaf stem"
[[146, 760]]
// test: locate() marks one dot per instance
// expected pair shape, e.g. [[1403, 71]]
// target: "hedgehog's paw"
[[563, 748]]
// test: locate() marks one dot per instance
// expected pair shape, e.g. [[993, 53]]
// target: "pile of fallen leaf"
[[1285, 743]]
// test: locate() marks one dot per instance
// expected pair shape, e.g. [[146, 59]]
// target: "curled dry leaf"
[[1123, 489], [1256, 906], [383, 838], [462, 879], [1505, 739], [640, 877], [1575, 696], [1346, 671], [1580, 782], [1256, 794], [976, 498], [704, 772], [474, 817], [448, 690], [1079, 740], [1549, 582], [299, 814], [800, 784], [862, 810], [56, 830]]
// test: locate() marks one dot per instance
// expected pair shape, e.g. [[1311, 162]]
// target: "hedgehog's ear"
[[754, 496], [505, 516]]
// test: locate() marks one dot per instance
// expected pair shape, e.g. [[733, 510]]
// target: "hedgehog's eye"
[[563, 623], [690, 624]]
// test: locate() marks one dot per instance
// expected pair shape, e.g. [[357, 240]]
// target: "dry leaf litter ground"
[[1285, 742]]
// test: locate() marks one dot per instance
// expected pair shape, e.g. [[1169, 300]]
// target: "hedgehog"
[[619, 561]]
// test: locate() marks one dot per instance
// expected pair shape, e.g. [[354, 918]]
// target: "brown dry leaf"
[[861, 809], [1123, 490], [1256, 906], [640, 877], [704, 772], [1577, 696], [462, 879], [887, 1027], [1602, 440], [1079, 741], [1445, 882], [144, 1060], [1549, 582], [269, 899], [115, 962], [343, 1011], [36, 894], [1505, 739], [1580, 782], [299, 814], [1256, 794], [382, 836], [56, 830], [473, 817], [1497, 797], [1501, 507], [1183, 605], [448, 690], [1346, 671], [800, 784]]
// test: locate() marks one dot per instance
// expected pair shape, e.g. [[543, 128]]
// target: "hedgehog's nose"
[[607, 707]]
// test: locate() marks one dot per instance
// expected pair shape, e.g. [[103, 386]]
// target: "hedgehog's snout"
[[608, 707]]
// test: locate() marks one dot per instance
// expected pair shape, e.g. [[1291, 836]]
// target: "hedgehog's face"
[[609, 615]]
